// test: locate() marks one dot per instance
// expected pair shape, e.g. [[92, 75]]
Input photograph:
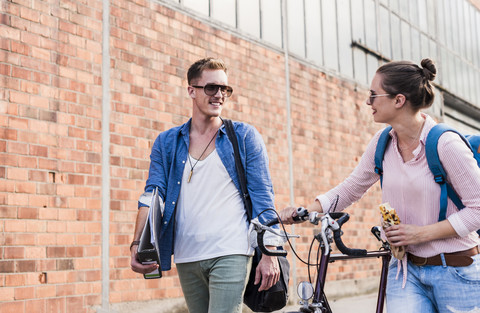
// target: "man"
[[205, 223]]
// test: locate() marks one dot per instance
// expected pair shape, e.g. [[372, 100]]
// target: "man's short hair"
[[196, 69]]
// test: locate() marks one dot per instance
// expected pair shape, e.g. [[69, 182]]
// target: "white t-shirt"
[[211, 220]]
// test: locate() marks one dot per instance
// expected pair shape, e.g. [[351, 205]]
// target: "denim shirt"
[[167, 162]]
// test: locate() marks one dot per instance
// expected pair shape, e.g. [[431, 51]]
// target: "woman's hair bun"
[[429, 69]]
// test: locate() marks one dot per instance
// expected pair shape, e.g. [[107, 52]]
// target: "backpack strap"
[[436, 167], [475, 143], [382, 144], [238, 165]]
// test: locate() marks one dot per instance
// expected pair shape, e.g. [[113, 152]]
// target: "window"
[[425, 47], [224, 11], [430, 14], [384, 28], [358, 34], [201, 6], [329, 26], [344, 38], [416, 54], [249, 16], [413, 16], [423, 16], [296, 27], [313, 31], [271, 22], [406, 46], [396, 38]]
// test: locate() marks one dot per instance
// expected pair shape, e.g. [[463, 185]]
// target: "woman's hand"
[[287, 215], [409, 234], [402, 234]]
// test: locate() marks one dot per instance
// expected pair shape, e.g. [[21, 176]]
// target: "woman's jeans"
[[435, 289], [215, 285]]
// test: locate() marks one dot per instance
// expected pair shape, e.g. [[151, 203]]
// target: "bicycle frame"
[[330, 232], [320, 298]]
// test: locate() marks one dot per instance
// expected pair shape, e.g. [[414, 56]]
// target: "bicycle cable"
[[290, 244]]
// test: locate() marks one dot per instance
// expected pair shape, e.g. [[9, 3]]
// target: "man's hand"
[[139, 267], [268, 271], [136, 266]]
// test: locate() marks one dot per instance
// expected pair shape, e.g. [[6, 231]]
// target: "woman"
[[398, 92]]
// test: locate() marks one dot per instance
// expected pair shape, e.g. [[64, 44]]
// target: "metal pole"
[[289, 126], [105, 156]]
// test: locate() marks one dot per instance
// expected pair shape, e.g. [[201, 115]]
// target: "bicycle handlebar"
[[302, 215], [261, 244], [337, 237]]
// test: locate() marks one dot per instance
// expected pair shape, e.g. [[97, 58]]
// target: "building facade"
[[87, 86]]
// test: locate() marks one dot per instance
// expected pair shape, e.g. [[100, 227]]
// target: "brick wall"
[[50, 140]]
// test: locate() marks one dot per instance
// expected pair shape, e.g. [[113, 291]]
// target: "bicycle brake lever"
[[259, 227]]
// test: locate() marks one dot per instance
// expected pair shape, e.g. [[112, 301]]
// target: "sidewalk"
[[357, 304]]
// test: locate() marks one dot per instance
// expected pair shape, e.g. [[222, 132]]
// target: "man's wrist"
[[134, 243]]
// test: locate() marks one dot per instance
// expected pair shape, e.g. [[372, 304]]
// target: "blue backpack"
[[431, 152]]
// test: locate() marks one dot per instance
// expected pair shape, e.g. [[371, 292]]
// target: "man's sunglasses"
[[212, 89]]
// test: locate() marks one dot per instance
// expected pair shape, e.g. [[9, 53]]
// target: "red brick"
[[74, 251], [25, 187], [25, 266], [56, 305], [17, 174], [7, 266], [12, 307], [76, 179], [25, 239], [56, 252], [37, 306], [8, 212], [15, 281], [39, 176], [14, 226], [28, 213]]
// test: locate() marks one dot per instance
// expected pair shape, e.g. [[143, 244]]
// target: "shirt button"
[[173, 202], [178, 182], [165, 223], [183, 162]]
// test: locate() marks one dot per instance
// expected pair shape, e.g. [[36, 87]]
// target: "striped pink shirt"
[[409, 187]]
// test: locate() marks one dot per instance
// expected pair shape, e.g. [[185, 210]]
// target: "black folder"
[[148, 249]]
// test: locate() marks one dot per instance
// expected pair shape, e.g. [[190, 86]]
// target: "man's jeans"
[[215, 285], [435, 289]]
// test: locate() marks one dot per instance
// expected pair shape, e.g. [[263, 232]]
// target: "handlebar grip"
[[344, 249], [302, 215], [271, 222], [338, 215], [337, 236]]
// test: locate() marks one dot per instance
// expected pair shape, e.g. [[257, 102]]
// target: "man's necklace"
[[189, 161]]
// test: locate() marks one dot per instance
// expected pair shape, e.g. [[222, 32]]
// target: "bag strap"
[[238, 165], [436, 167], [382, 144]]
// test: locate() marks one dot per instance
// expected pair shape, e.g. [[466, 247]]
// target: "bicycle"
[[330, 232]]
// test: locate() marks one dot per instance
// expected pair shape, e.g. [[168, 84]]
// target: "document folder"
[[148, 249]]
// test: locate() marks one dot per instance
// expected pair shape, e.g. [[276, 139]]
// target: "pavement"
[[356, 304]]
